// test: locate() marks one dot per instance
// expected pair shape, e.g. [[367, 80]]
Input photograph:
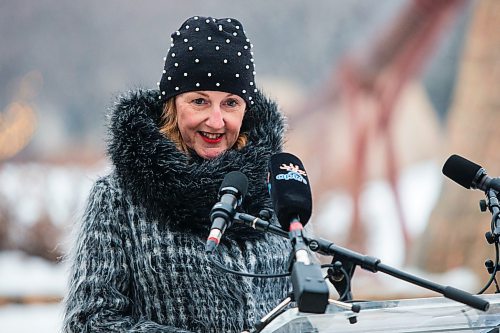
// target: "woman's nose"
[[215, 119]]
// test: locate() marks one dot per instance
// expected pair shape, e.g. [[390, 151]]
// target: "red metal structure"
[[379, 76]]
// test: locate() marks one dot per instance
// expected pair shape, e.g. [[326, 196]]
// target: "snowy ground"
[[22, 275], [40, 318], [26, 275]]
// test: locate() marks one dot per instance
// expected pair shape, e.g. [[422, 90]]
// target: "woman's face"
[[209, 121]]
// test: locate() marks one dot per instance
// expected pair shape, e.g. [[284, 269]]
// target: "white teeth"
[[212, 136]]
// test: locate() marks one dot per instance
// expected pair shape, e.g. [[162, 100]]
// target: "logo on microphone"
[[294, 173]]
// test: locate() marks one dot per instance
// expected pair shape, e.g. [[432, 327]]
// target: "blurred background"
[[378, 95]]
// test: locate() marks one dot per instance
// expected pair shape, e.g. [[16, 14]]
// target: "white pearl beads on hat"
[[209, 54]]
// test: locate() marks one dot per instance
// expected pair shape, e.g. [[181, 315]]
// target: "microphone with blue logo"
[[290, 193]]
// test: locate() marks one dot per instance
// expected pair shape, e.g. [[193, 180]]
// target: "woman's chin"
[[211, 153]]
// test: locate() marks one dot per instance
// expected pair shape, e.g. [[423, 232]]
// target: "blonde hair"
[[170, 129]]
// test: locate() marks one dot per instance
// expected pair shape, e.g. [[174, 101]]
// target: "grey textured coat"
[[139, 265]]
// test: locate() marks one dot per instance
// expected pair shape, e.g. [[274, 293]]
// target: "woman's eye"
[[199, 101], [232, 103]]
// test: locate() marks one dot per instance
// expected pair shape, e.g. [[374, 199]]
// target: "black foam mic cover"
[[233, 189], [237, 180], [461, 170], [289, 188]]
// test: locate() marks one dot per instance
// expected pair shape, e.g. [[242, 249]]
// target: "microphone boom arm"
[[374, 265], [369, 263]]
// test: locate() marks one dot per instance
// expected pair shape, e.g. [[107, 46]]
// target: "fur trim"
[[175, 188]]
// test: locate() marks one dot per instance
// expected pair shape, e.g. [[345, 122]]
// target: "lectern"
[[436, 314]]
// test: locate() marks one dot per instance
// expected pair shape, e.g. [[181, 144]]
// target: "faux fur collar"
[[174, 188]]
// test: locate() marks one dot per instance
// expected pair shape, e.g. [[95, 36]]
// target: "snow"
[[40, 318], [419, 188], [32, 190], [27, 275], [22, 275]]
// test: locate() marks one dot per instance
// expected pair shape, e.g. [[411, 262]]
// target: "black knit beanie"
[[209, 54]]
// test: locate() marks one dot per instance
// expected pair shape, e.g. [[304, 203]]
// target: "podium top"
[[436, 314]]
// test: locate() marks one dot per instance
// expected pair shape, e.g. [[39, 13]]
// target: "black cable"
[[230, 271], [496, 286], [348, 284], [346, 277], [495, 268]]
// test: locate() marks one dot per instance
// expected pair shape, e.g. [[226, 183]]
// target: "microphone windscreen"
[[235, 179], [289, 189], [461, 170]]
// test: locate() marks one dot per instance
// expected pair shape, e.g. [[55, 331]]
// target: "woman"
[[139, 263]]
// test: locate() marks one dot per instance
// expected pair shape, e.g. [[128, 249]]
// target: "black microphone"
[[289, 188], [290, 192], [232, 190], [469, 174]]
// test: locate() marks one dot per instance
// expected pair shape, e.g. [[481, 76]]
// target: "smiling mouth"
[[211, 137]]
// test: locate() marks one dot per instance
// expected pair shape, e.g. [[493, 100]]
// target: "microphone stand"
[[310, 292], [369, 263], [309, 287], [494, 208], [374, 265], [340, 275], [492, 236]]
